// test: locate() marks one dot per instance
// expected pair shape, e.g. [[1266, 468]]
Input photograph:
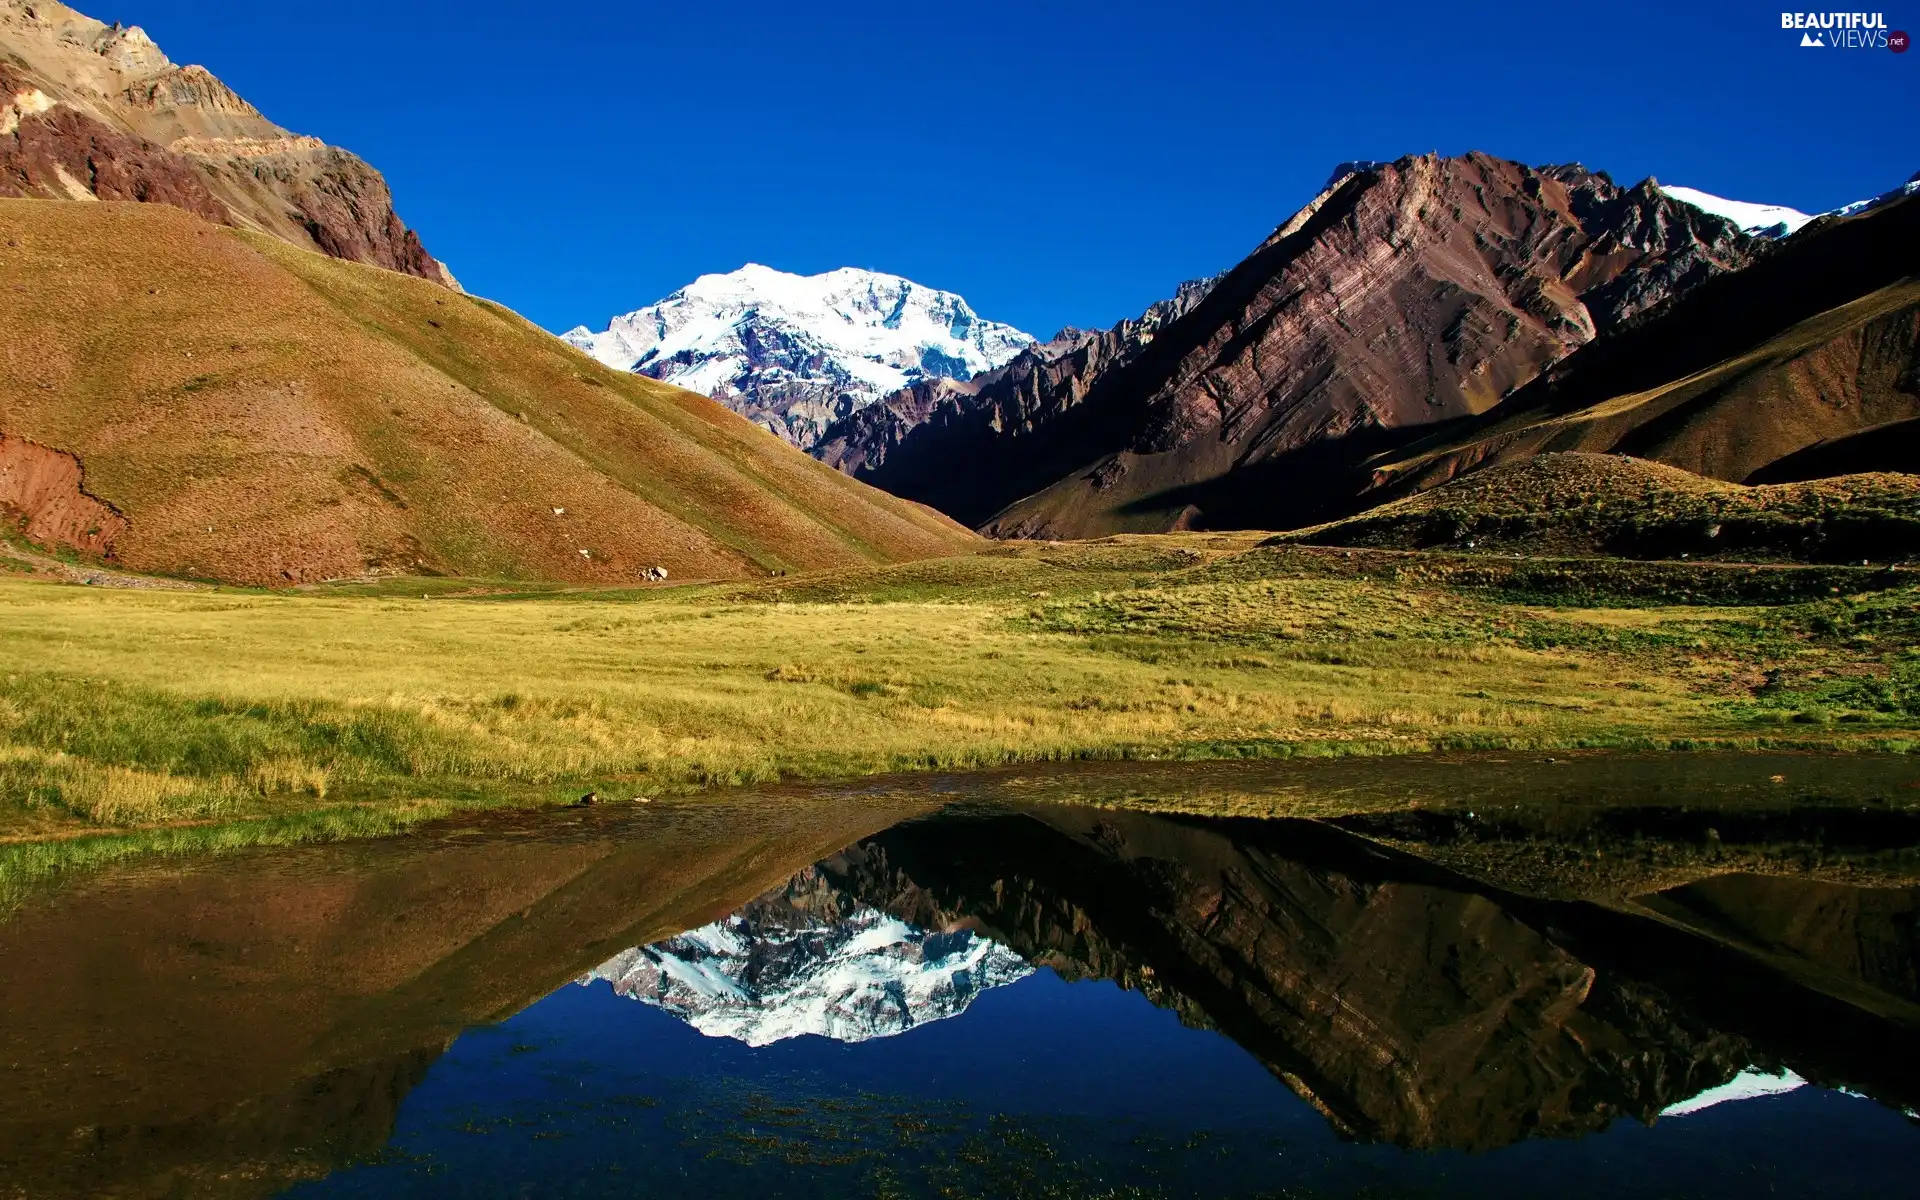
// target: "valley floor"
[[138, 719]]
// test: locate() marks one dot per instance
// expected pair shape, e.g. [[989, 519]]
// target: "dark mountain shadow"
[[1891, 447], [1309, 485]]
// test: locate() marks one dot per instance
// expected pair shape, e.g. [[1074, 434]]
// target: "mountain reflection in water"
[[807, 960], [1596, 1000]]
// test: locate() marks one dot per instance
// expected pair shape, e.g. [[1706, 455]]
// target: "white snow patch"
[[1760, 220], [1860, 206], [1747, 1085]]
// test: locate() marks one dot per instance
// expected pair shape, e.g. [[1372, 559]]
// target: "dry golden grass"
[[128, 708]]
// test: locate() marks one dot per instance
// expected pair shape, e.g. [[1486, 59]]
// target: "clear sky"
[[1055, 161]]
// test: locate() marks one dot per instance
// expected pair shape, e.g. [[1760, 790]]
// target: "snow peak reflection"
[[806, 959], [1838, 30]]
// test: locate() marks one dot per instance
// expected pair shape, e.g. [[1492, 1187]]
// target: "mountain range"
[[1408, 302], [792, 353], [229, 360], [222, 369]]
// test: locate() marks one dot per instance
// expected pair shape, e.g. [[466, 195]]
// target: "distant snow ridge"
[[1900, 193], [793, 352], [865, 976], [1757, 220]]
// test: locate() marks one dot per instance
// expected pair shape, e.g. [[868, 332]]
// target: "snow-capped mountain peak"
[[768, 974], [1758, 220], [792, 352]]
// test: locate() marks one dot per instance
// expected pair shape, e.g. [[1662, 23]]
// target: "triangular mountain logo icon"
[[1812, 39]]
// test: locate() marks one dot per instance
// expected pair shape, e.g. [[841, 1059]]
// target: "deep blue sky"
[[1054, 162]]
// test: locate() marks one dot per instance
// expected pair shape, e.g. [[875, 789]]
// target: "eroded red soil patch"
[[41, 491]]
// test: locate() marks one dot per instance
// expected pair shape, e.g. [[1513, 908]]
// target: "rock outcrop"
[[1405, 296], [90, 111]]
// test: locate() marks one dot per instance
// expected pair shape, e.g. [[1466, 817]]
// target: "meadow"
[[169, 718]]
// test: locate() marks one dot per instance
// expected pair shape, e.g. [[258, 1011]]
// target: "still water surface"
[[1611, 977]]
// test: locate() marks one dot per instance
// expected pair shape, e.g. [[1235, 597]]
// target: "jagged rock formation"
[[920, 437], [90, 111], [1405, 296], [805, 959], [793, 353]]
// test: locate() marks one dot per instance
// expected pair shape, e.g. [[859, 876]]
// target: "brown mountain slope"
[[92, 111], [1816, 343], [262, 414], [1405, 295]]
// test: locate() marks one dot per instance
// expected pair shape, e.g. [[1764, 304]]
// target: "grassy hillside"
[[1608, 504], [261, 414]]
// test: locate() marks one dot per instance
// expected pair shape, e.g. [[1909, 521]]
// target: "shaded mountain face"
[[939, 430], [1405, 295], [1406, 1002], [90, 111], [1775, 374], [807, 960], [793, 353]]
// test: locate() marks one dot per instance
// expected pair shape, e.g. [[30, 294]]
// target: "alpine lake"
[[1605, 975]]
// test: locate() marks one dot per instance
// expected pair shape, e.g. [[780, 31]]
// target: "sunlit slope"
[[1610, 504], [262, 414]]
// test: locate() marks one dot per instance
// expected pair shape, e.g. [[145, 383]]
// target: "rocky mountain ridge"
[[90, 111], [794, 353], [953, 415], [1406, 295], [1806, 364]]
